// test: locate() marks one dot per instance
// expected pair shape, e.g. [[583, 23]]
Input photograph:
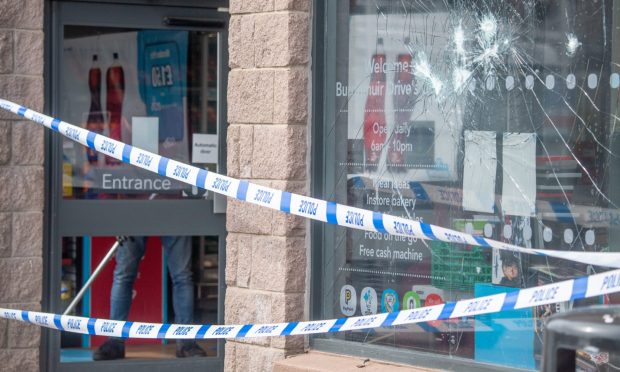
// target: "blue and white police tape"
[[574, 289], [316, 209]]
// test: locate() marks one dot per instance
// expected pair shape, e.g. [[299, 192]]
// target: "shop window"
[[491, 117], [153, 89]]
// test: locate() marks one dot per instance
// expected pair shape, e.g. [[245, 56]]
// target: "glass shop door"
[[156, 81]]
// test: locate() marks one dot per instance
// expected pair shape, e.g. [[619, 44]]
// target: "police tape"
[[569, 290], [299, 205], [325, 211]]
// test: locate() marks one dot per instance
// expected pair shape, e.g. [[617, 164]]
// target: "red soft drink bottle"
[[374, 112], [95, 121], [115, 85], [403, 92]]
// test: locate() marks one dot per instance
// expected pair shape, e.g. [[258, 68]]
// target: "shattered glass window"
[[491, 117]]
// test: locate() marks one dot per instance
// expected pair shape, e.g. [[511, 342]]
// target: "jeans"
[[178, 252]]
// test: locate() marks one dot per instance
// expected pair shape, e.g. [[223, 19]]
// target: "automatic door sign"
[[368, 301], [389, 301], [348, 300], [411, 300]]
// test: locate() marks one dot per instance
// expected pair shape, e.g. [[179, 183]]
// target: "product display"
[[115, 94], [95, 122], [139, 91]]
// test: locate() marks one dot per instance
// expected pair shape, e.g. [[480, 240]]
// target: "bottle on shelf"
[[95, 121], [115, 85]]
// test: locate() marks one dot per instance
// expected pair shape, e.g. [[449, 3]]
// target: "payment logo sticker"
[[389, 301], [368, 301], [411, 300], [348, 300]]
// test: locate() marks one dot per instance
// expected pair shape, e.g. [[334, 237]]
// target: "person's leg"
[[128, 257], [179, 255]]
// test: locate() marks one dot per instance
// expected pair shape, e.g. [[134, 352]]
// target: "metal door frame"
[[117, 217]]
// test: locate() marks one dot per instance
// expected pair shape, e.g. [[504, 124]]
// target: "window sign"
[[491, 117], [145, 133], [205, 148]]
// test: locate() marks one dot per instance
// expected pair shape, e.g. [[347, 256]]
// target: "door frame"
[[117, 217]]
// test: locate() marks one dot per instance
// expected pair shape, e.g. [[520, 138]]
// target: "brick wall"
[[268, 114], [21, 180]]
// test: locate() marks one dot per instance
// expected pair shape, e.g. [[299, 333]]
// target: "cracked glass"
[[495, 118]]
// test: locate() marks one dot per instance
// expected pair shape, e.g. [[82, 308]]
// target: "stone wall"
[[267, 143], [21, 180]]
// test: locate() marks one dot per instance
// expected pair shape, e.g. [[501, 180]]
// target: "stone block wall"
[[21, 180], [268, 92]]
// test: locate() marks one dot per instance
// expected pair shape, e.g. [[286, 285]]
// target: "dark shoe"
[[189, 349], [110, 350]]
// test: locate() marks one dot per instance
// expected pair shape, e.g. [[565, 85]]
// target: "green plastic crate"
[[458, 269]]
